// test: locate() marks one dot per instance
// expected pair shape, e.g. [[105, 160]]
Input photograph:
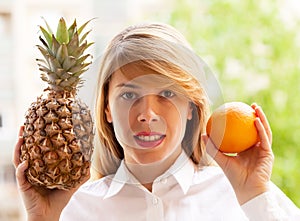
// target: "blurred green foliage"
[[255, 54]]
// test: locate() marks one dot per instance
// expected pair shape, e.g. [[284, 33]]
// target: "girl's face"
[[149, 114]]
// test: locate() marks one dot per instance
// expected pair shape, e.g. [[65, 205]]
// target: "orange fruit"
[[231, 127]]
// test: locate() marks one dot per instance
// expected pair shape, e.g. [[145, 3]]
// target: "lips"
[[149, 140]]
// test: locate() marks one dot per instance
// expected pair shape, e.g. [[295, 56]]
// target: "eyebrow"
[[128, 85]]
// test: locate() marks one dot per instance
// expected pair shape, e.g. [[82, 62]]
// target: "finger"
[[264, 121], [213, 151], [259, 112], [17, 150], [21, 131], [21, 178], [264, 140]]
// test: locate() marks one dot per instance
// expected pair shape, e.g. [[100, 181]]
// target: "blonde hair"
[[161, 48]]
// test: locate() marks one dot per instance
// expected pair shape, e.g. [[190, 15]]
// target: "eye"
[[167, 94], [129, 95]]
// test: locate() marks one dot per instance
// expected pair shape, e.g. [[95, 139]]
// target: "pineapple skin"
[[58, 141], [58, 129]]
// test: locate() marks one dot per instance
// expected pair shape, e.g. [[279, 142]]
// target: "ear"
[[108, 114], [190, 111]]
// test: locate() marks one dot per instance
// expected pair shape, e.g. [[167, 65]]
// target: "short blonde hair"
[[161, 48]]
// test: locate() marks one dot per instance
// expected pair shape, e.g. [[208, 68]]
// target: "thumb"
[[213, 152], [21, 178]]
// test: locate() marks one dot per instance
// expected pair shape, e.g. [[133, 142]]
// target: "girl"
[[151, 110]]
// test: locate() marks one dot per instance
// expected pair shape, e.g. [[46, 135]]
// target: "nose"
[[148, 109]]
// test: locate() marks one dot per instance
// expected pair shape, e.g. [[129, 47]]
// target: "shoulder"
[[211, 176], [210, 183], [82, 204], [89, 192], [208, 172], [96, 188]]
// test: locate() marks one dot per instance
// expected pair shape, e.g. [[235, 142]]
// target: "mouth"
[[149, 140]]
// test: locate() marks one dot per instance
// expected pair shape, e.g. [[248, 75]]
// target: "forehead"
[[140, 75]]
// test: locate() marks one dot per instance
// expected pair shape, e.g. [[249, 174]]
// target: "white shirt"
[[184, 192]]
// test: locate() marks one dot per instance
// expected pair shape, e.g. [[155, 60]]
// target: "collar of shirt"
[[182, 170]]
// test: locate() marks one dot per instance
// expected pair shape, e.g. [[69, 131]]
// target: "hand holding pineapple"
[[58, 133], [40, 203], [55, 145]]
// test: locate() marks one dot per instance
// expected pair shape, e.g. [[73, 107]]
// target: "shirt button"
[[155, 201], [164, 180]]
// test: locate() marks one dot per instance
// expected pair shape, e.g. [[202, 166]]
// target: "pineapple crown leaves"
[[64, 59]]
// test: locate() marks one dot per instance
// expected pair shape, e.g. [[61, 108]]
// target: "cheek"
[[120, 122], [120, 118], [123, 130], [179, 112], [176, 115], [179, 118]]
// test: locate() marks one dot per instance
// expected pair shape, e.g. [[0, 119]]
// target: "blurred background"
[[251, 46]]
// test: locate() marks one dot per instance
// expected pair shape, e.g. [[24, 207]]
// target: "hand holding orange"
[[231, 127]]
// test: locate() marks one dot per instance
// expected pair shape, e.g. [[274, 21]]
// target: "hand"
[[250, 171], [40, 203]]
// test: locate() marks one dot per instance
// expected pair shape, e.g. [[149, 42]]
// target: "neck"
[[147, 173]]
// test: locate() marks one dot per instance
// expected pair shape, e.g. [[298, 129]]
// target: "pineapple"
[[58, 130]]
